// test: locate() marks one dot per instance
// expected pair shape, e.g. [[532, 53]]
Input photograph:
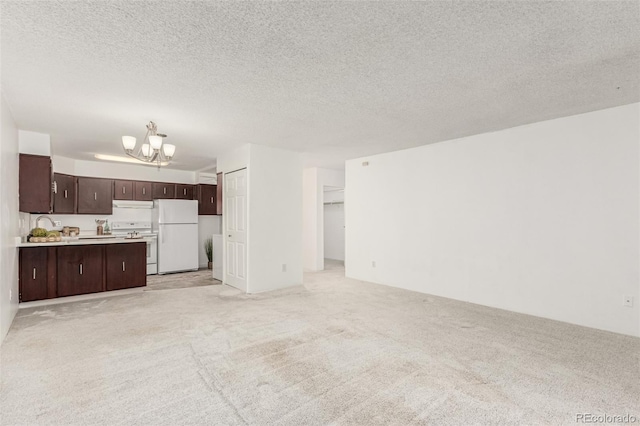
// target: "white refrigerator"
[[176, 222]]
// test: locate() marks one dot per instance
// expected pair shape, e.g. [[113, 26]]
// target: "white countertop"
[[71, 241]]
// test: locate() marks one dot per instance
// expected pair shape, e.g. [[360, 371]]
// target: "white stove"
[[140, 230]]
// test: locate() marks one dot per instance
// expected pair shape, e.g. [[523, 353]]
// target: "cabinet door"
[[95, 196], [80, 270], [123, 190], [219, 194], [34, 184], [126, 265], [64, 194], [164, 190], [206, 199], [33, 274], [143, 191], [184, 192]]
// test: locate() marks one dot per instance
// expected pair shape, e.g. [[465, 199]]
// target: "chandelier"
[[152, 149]]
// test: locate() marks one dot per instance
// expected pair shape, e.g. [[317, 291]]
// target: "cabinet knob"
[[144, 191], [81, 269], [95, 196], [123, 267], [34, 273], [124, 190], [184, 191], [66, 193], [211, 200]]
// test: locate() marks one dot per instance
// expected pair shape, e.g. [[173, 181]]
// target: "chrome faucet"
[[53, 224]]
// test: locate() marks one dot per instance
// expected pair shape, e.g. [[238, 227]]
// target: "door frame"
[[224, 229]]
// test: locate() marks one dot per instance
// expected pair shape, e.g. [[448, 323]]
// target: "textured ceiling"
[[335, 80]]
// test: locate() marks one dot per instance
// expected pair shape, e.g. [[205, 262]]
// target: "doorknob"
[[229, 235]]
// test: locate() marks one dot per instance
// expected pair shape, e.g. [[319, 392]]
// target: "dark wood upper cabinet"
[[37, 273], [64, 193], [80, 270], [126, 265], [123, 190], [95, 196], [206, 199], [34, 176], [163, 190], [184, 192], [219, 195], [142, 191]]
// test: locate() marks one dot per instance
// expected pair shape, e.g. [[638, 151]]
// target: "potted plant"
[[208, 248]]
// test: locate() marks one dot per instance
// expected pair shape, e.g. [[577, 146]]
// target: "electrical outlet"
[[57, 222], [627, 301], [284, 267], [373, 264]]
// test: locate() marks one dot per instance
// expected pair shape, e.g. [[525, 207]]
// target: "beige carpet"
[[334, 351]]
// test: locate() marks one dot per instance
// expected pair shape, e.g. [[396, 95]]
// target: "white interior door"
[[235, 218]]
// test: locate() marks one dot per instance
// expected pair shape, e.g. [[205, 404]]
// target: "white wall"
[[274, 214], [207, 226], [87, 222], [105, 169], [9, 221], [275, 219], [314, 181], [233, 160], [34, 143], [541, 219]]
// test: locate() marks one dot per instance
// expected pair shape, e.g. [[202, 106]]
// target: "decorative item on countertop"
[[41, 235], [100, 229], [107, 230], [208, 248], [70, 231]]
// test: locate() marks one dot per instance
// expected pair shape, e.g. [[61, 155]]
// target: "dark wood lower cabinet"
[[48, 272], [37, 273], [80, 270], [126, 265]]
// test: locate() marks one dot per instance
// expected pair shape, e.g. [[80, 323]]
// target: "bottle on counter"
[[107, 230]]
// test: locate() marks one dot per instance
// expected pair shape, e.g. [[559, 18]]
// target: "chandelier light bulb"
[[146, 150], [128, 143], [152, 150], [169, 150], [155, 141]]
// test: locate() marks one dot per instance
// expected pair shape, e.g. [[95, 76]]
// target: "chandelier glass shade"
[[152, 150]]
